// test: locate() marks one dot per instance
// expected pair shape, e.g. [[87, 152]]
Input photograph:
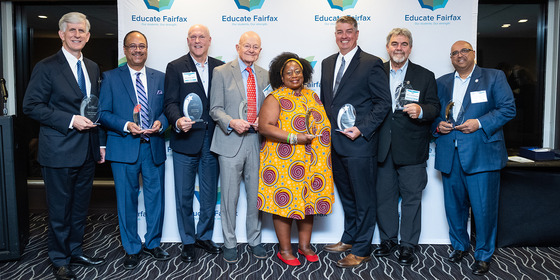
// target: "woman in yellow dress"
[[295, 172]]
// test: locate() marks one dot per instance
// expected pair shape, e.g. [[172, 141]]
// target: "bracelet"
[[294, 139], [288, 139]]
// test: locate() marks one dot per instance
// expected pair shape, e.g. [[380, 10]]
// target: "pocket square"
[[159, 92]]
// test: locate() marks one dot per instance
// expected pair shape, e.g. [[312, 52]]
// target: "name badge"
[[267, 90], [412, 95], [478, 96], [189, 77]]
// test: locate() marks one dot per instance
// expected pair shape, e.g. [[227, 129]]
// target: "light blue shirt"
[[396, 78], [245, 76]]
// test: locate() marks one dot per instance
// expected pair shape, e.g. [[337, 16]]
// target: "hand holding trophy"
[[192, 107], [346, 117], [311, 124], [89, 108], [243, 108]]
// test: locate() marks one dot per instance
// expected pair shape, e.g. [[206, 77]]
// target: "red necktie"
[[251, 97]]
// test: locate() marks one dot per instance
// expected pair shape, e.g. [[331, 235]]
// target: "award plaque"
[[449, 112], [243, 108], [192, 107], [346, 117], [310, 124], [404, 94], [90, 108], [136, 115]]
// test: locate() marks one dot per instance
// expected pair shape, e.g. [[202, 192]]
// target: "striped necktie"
[[144, 109]]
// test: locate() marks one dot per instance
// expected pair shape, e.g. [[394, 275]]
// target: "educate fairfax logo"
[[342, 4], [249, 5], [158, 5], [432, 4], [431, 19]]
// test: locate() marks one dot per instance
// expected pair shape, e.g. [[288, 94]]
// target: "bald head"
[[462, 58], [249, 47], [198, 40]]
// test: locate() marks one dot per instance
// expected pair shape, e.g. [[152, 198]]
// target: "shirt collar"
[[402, 69], [72, 59], [243, 66], [198, 63], [468, 77], [348, 56], [133, 72]]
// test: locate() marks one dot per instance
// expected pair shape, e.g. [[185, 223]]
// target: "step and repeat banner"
[[307, 29]]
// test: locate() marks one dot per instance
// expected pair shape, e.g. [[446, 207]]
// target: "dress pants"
[[244, 165], [185, 169], [408, 182], [355, 179], [127, 186], [482, 191], [68, 192]]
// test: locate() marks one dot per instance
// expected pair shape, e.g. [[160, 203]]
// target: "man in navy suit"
[[404, 139], [68, 142], [471, 151], [190, 141], [136, 147], [355, 77]]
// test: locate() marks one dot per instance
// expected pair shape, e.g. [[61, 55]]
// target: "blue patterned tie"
[[81, 78], [144, 109], [339, 76]]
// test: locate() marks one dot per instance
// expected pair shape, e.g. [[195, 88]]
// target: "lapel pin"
[[476, 81]]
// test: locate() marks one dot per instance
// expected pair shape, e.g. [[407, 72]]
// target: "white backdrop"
[[306, 28]]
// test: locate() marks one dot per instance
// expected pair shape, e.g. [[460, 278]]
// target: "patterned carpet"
[[102, 239]]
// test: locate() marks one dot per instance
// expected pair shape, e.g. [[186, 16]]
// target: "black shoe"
[[385, 248], [63, 273], [406, 256], [480, 267], [84, 260], [157, 253], [208, 246], [131, 261], [456, 256], [187, 254]]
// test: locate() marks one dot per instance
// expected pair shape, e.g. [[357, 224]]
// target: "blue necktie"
[[81, 78], [339, 75], [144, 109]]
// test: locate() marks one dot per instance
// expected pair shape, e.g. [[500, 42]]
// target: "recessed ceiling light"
[[523, 20], [41, 16], [506, 25], [109, 34]]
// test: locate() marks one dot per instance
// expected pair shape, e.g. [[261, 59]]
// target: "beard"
[[398, 58]]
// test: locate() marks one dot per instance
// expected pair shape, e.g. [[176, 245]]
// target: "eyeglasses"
[[134, 47], [293, 73], [248, 47], [462, 51]]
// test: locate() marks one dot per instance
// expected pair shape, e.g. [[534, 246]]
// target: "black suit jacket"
[[176, 91], [410, 138], [365, 86], [52, 98]]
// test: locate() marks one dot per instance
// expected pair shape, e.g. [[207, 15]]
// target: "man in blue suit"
[[136, 145], [471, 151]]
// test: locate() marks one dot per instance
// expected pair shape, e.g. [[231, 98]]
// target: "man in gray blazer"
[[236, 93]]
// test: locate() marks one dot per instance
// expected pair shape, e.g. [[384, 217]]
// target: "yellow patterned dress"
[[296, 180]]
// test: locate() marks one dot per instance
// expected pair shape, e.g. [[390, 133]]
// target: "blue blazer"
[[117, 101], [484, 149]]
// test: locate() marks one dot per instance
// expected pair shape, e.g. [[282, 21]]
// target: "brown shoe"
[[352, 261], [337, 248]]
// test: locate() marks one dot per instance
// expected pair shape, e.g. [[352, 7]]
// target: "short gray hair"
[[400, 31], [72, 17]]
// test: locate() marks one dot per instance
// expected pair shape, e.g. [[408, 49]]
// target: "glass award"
[[136, 115], [449, 112], [192, 107], [243, 108], [310, 124], [346, 117], [90, 108], [404, 94]]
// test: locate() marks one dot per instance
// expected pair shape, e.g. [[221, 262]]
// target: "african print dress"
[[296, 180]]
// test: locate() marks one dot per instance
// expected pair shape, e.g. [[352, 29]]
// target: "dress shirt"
[[245, 76], [144, 82], [202, 69], [347, 59], [72, 61]]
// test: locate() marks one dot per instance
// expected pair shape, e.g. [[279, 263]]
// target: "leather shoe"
[[337, 248], [209, 246], [480, 267], [63, 273], [352, 260], [157, 253], [406, 256], [84, 260], [456, 256], [187, 254], [131, 261], [385, 248]]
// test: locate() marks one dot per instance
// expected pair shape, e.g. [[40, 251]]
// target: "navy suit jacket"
[[175, 92], [52, 98], [117, 102], [484, 149], [409, 138], [365, 86]]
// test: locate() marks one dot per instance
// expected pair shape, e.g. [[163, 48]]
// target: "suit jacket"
[[175, 92], [117, 102], [365, 86], [484, 149], [227, 93], [52, 98], [408, 138]]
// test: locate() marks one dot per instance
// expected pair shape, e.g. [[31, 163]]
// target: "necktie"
[[251, 97], [339, 76], [144, 109], [81, 78]]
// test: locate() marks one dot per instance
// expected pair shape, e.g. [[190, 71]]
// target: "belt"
[[142, 140]]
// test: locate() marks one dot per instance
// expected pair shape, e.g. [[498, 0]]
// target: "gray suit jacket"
[[227, 92]]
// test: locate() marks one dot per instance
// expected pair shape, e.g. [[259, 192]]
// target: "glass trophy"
[[404, 94], [346, 117], [310, 124], [192, 107], [449, 112], [90, 108], [136, 115], [243, 108]]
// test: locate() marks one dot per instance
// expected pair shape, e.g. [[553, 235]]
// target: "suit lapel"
[[68, 74], [351, 68], [238, 79], [329, 70], [191, 66], [126, 78], [92, 78], [473, 83]]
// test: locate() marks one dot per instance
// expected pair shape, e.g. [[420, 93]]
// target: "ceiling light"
[[523, 20], [41, 16], [506, 25], [109, 34]]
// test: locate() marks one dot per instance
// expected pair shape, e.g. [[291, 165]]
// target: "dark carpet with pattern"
[[102, 240]]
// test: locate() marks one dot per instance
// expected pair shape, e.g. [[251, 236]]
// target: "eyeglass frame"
[[136, 47], [462, 51]]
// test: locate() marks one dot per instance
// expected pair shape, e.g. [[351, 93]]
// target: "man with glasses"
[[471, 151], [238, 89], [190, 142], [131, 108]]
